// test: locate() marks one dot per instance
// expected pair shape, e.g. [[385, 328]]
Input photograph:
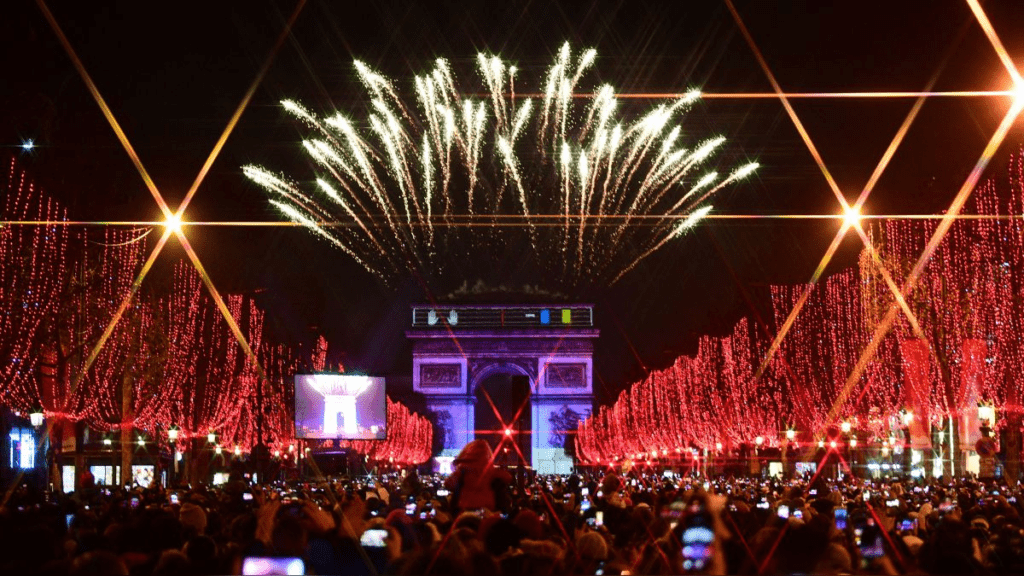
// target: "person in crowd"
[[476, 484], [630, 521]]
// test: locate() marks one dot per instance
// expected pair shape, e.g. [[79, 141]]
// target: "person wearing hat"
[[192, 518], [592, 551], [476, 483]]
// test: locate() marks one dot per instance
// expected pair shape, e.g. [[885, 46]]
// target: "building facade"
[[519, 376]]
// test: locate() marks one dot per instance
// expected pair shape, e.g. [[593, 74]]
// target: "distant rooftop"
[[503, 316]]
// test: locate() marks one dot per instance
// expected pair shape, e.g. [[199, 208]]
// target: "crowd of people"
[[483, 520]]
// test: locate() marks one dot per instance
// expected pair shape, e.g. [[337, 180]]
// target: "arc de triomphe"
[[457, 348]]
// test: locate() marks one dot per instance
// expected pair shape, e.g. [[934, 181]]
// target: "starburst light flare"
[[569, 184]]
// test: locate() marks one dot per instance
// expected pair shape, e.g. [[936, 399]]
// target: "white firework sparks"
[[459, 174]]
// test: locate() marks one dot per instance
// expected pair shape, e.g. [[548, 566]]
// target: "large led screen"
[[340, 406]]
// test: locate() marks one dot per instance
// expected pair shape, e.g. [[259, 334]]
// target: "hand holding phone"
[[263, 565], [841, 515], [374, 538], [698, 538], [871, 544]]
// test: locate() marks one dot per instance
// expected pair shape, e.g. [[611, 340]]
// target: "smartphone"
[[374, 538], [263, 566], [247, 496], [135, 502], [173, 498], [894, 503], [871, 544], [783, 511], [906, 525], [763, 505], [841, 518], [442, 493], [586, 492], [599, 518], [67, 520], [585, 505], [812, 492], [410, 508], [798, 513], [698, 539]]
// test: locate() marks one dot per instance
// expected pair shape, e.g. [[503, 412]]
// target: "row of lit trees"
[[965, 349], [170, 360]]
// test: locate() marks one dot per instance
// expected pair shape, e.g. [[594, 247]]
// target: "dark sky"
[[173, 72]]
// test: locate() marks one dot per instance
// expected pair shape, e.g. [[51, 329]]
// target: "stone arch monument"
[[456, 348]]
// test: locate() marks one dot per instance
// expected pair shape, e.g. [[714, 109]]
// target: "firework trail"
[[457, 174]]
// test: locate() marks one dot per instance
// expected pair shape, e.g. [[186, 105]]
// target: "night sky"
[[173, 73]]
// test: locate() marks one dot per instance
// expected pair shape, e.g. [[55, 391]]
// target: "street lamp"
[[36, 417], [790, 434], [759, 440], [172, 434], [845, 427], [211, 437], [908, 417], [986, 414]]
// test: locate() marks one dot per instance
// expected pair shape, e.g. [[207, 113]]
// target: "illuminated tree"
[[32, 266]]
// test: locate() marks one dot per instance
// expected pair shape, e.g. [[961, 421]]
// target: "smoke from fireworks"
[[459, 176]]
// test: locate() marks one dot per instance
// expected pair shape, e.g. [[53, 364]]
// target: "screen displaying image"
[[340, 406]]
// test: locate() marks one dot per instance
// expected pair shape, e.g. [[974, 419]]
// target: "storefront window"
[[23, 448]]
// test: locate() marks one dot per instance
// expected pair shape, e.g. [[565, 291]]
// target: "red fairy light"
[[969, 316], [173, 357]]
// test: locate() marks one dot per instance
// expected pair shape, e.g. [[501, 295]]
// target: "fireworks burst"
[[589, 193]]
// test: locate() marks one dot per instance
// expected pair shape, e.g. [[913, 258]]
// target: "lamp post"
[[907, 417], [850, 441], [36, 418], [986, 445], [172, 438]]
